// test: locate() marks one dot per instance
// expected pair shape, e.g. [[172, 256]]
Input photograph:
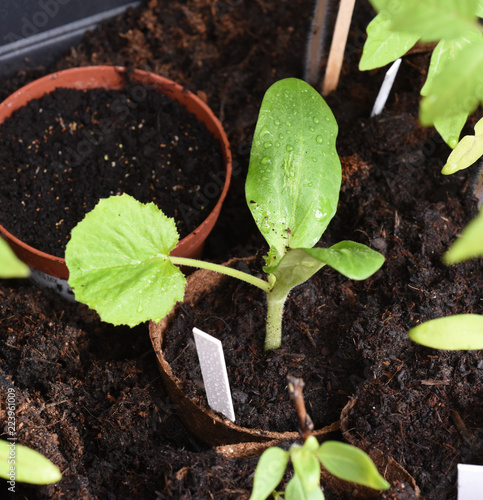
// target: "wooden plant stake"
[[295, 388], [336, 54]]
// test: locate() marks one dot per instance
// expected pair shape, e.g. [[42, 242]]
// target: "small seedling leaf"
[[350, 464], [467, 152], [294, 176], [295, 490], [118, 261], [451, 95], [469, 245], [354, 260], [450, 127], [10, 265], [460, 332], [270, 470], [307, 468], [30, 466], [383, 45]]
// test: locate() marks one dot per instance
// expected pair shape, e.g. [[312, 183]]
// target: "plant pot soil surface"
[[63, 152], [89, 396]]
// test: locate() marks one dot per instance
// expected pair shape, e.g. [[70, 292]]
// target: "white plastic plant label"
[[213, 370], [470, 482], [386, 88]]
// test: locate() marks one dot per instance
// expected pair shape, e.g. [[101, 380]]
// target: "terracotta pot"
[[110, 77], [390, 468], [206, 425]]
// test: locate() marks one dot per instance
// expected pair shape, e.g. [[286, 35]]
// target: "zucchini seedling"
[[119, 256]]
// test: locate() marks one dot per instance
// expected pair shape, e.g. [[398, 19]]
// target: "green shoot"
[[453, 89], [119, 255], [341, 460], [10, 265], [19, 463]]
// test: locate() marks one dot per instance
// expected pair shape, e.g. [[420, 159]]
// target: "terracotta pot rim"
[[86, 77], [232, 434]]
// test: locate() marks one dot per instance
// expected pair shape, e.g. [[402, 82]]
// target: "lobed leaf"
[[118, 261], [469, 245], [466, 152], [461, 332], [350, 464], [269, 472], [384, 45], [10, 265], [458, 88], [354, 260], [294, 175], [30, 466]]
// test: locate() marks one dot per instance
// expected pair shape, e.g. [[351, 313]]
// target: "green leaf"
[[469, 245], [118, 261], [479, 8], [383, 45], [296, 491], [461, 332], [457, 88], [354, 260], [29, 465], [450, 127], [444, 52], [270, 470], [350, 464], [294, 176], [306, 466], [466, 152], [10, 265], [431, 20]]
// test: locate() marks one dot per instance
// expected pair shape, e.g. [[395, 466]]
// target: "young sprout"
[[339, 459], [119, 256], [453, 85]]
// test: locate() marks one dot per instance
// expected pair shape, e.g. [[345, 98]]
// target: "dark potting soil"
[[235, 313], [89, 396], [63, 152]]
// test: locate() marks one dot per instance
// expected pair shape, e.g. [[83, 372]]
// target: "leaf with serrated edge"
[[466, 152], [118, 261], [350, 464], [469, 245], [294, 176], [384, 45], [10, 265], [30, 466], [459, 332], [269, 472], [458, 88]]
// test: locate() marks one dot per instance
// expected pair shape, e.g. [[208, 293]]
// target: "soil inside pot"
[[235, 313], [63, 152]]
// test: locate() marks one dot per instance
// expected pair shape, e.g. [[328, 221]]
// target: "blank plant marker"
[[470, 482], [213, 370]]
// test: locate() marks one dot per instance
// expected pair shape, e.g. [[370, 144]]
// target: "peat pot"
[[52, 269], [209, 426]]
